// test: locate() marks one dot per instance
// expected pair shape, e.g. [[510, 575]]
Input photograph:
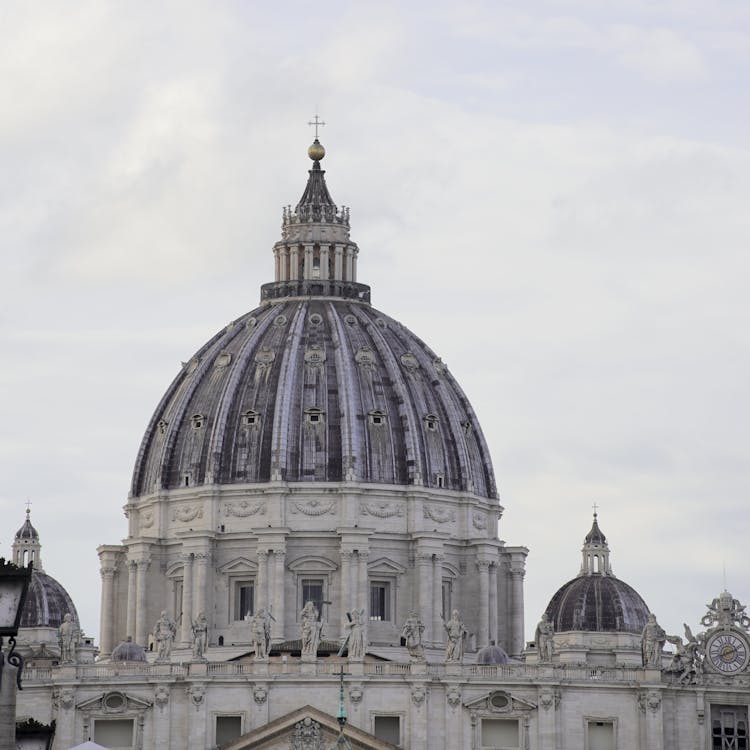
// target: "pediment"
[[114, 702], [239, 565], [307, 728], [384, 566], [312, 564], [500, 701]]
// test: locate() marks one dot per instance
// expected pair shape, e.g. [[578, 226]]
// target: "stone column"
[[284, 263], [107, 620], [424, 568], [200, 582], [325, 268], [186, 634], [516, 583], [261, 596], [483, 635], [354, 265], [276, 264], [345, 574], [279, 556], [437, 598], [132, 596], [308, 270], [338, 266], [363, 591], [294, 263], [141, 626], [493, 602], [348, 271]]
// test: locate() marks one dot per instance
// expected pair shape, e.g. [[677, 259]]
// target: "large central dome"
[[315, 384]]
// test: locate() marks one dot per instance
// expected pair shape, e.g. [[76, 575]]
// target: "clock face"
[[727, 652]]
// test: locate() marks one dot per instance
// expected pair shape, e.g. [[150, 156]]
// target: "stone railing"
[[327, 668]]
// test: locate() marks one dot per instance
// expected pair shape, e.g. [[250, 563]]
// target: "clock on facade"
[[728, 652]]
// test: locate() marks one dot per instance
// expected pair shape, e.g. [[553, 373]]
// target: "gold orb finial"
[[316, 152]]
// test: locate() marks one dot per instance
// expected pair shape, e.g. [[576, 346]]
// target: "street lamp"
[[14, 584], [33, 735]]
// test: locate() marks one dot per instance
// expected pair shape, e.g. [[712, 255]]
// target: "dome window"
[[250, 418], [197, 421], [440, 481], [431, 422], [162, 426], [314, 416], [377, 418]]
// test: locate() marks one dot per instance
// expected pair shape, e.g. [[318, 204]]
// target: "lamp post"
[[14, 584]]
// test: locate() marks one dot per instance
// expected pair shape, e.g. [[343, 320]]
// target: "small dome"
[[595, 536], [47, 603], [128, 651], [600, 603], [492, 654], [27, 531]]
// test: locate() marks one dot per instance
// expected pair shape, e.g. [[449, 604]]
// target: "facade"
[[312, 560]]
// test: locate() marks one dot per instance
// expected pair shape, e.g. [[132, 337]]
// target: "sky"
[[552, 194]]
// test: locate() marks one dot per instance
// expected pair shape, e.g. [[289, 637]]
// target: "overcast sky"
[[553, 195]]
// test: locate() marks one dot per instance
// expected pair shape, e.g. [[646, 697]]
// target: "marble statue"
[[545, 643], [355, 640], [200, 635], [412, 635], [454, 646], [652, 643], [260, 633], [68, 635], [165, 631], [310, 629]]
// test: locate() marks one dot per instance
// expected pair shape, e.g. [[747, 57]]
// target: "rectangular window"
[[446, 603], [601, 735], [228, 728], [500, 734], [312, 591], [729, 728], [244, 599], [114, 733], [388, 728], [380, 600]]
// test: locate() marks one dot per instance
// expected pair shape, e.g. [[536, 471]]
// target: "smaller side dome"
[[47, 603], [27, 531], [492, 654], [128, 651]]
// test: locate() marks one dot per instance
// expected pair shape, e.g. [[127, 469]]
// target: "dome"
[[492, 654], [600, 603], [128, 651], [314, 385], [27, 532], [596, 600], [47, 602]]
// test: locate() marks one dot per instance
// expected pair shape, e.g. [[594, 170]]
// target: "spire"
[[315, 255], [26, 545], [595, 551]]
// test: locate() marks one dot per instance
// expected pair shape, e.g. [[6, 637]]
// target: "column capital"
[[107, 572], [484, 565], [187, 557], [263, 554], [518, 572], [279, 551]]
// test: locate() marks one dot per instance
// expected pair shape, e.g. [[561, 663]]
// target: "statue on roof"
[[68, 635], [454, 646], [653, 639], [412, 636], [545, 644], [165, 631]]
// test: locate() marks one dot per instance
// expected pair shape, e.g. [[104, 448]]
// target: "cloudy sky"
[[554, 195]]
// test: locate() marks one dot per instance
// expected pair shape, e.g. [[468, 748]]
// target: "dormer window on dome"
[[376, 418], [431, 422], [197, 421], [250, 418], [314, 416]]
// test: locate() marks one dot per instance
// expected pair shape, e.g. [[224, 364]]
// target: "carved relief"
[[454, 696], [147, 519], [187, 513], [196, 693], [438, 514], [243, 509], [260, 694], [263, 362], [381, 510], [649, 700], [161, 696], [410, 362], [314, 507], [307, 736], [479, 521], [355, 694], [418, 694], [365, 357], [223, 360], [315, 356], [549, 697]]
